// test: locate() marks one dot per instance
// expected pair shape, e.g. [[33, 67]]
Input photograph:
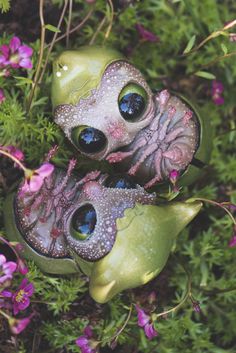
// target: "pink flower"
[[85, 343], [21, 297], [232, 241], [150, 332], [16, 55], [2, 97], [7, 268], [143, 318], [217, 90], [35, 178], [232, 37], [144, 322], [21, 266], [146, 35], [15, 152], [173, 177], [18, 325]]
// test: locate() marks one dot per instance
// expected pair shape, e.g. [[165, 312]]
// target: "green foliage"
[[63, 304], [4, 5]]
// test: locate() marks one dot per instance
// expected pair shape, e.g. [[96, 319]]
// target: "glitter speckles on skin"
[[109, 205], [44, 218], [164, 138]]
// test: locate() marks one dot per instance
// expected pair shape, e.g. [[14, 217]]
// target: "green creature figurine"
[[108, 227], [107, 110]]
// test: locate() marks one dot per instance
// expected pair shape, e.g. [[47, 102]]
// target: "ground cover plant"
[[187, 46]]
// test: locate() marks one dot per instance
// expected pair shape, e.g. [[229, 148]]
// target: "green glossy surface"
[[77, 72], [146, 235], [133, 88], [49, 265]]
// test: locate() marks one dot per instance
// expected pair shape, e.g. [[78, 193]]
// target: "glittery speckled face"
[[122, 121], [75, 215], [101, 111]]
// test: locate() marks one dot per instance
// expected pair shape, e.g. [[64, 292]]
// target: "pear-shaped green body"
[[145, 237]]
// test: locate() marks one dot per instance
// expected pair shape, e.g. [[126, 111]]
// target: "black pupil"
[[91, 140], [131, 106], [84, 220], [120, 182]]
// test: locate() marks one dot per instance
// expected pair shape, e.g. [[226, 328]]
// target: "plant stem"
[[53, 41], [4, 314], [5, 153], [41, 51], [185, 298], [215, 203], [211, 36], [101, 24], [76, 28], [69, 23], [124, 325], [181, 303], [212, 62], [111, 21]]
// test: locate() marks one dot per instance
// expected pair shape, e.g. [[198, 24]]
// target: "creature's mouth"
[[168, 143]]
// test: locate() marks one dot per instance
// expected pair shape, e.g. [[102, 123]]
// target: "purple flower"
[[21, 266], [7, 268], [21, 297], [143, 318], [144, 322], [15, 152], [146, 35], [217, 90], [18, 325], [196, 306], [16, 55], [150, 332], [2, 97], [35, 178], [85, 343], [232, 241], [173, 177]]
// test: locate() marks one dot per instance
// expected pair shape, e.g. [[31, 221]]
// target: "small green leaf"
[[22, 80], [190, 44], [205, 74], [224, 48], [52, 28]]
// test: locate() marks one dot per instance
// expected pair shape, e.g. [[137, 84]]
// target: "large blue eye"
[[83, 222], [132, 102], [88, 139]]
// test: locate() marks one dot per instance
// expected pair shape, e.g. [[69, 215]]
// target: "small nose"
[[88, 139]]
